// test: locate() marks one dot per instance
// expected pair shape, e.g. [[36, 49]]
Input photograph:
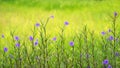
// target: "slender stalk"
[[10, 62], [104, 50], [20, 59], [93, 50], [114, 41], [44, 40], [3, 65], [26, 53], [58, 57], [80, 50], [72, 57], [12, 35], [86, 44], [62, 45]]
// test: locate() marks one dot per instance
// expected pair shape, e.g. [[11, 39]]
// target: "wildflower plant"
[[85, 34], [62, 44], [42, 50], [114, 33], [79, 39]]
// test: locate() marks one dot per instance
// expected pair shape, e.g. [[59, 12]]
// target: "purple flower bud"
[[71, 43], [109, 66], [16, 38], [5, 49], [3, 36], [66, 23], [31, 38], [37, 24], [117, 54], [109, 30], [103, 33], [36, 43], [54, 39], [111, 38], [17, 45], [115, 14], [52, 16], [105, 62]]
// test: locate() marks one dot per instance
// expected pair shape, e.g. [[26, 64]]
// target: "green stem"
[[114, 43]]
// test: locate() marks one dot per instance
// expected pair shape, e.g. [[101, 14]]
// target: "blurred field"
[[57, 49], [23, 14]]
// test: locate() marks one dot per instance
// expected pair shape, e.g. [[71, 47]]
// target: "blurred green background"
[[21, 15]]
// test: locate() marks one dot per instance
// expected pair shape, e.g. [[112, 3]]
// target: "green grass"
[[94, 13], [22, 15]]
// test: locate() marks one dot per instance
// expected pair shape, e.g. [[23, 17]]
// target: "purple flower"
[[52, 16], [71, 43], [17, 45], [115, 14], [66, 23], [109, 30], [5, 49], [109, 66], [105, 62], [103, 33], [16, 38], [36, 43], [37, 24], [117, 54], [111, 38], [31, 38], [54, 39], [3, 36]]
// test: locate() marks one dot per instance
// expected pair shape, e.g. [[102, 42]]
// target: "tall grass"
[[83, 50]]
